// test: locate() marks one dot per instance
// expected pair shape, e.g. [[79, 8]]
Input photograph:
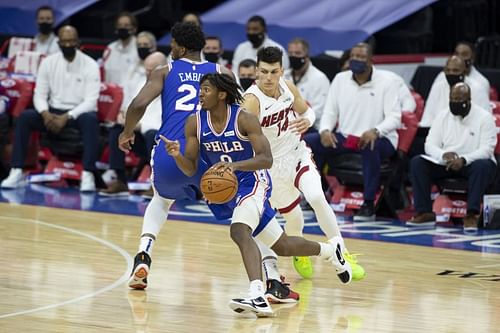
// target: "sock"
[[326, 250], [269, 261], [256, 289], [154, 219]]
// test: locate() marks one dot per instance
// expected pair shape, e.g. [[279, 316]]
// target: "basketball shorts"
[[168, 180], [251, 206], [286, 172]]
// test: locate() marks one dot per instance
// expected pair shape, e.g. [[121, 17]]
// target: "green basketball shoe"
[[303, 266]]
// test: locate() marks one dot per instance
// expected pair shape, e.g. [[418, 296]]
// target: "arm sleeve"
[[487, 141], [91, 92], [330, 114], [392, 110], [41, 96]]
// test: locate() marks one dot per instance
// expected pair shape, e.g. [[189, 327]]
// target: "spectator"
[[313, 84], [145, 133], [213, 50], [257, 38], [66, 93], [461, 142], [467, 52], [364, 103], [439, 97], [121, 55], [45, 40], [247, 73]]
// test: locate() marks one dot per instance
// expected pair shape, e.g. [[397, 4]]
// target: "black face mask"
[[45, 28], [468, 63], [143, 52], [454, 79], [256, 39], [211, 56], [68, 51], [460, 108], [297, 62], [246, 82], [123, 33]]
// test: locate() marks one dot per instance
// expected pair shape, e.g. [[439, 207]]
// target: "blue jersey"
[[179, 98]]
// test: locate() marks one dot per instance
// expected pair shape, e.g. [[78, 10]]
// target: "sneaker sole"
[[138, 280], [245, 309], [275, 300]]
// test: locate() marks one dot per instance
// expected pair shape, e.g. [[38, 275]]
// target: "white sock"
[[154, 219], [269, 261], [326, 250], [256, 289], [294, 222]]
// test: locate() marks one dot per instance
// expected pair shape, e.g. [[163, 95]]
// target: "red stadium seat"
[[419, 110], [408, 131], [493, 94], [25, 62], [495, 107], [110, 101], [19, 92]]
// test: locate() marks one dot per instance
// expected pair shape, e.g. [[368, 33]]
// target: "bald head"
[[154, 60], [68, 31], [455, 65], [460, 92]]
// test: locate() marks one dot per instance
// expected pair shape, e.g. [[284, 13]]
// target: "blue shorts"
[[168, 180]]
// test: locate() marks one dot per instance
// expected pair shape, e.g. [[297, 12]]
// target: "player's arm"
[[151, 89], [251, 104], [249, 126], [188, 162], [307, 115]]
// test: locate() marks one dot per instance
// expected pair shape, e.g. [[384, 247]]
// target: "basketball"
[[218, 187]]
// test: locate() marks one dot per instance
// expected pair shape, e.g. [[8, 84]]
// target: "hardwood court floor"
[[65, 271]]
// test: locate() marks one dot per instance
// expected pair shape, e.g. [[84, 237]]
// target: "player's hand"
[[173, 148], [328, 139], [125, 141], [223, 167], [300, 125], [368, 138]]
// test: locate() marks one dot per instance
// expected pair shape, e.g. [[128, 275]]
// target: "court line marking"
[[115, 284]]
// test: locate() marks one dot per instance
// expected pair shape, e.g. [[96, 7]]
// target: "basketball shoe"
[[258, 306], [342, 266], [358, 272], [280, 292], [303, 266], [139, 277]]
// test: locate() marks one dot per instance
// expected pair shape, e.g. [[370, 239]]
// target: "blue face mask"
[[357, 66]]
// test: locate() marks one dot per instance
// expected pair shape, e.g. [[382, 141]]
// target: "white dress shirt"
[[133, 82], [245, 50], [479, 78], [64, 85], [357, 108], [405, 97], [313, 87], [439, 97], [49, 46], [120, 60], [473, 137]]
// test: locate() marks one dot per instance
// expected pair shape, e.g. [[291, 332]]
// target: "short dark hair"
[[301, 41], [270, 55], [260, 19], [39, 9], [215, 38], [226, 83], [131, 17], [188, 35], [247, 63], [368, 47], [471, 46]]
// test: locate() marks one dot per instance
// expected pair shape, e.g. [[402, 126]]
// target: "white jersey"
[[275, 116]]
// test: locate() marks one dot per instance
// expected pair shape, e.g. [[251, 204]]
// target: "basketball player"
[[178, 82], [276, 103], [230, 139]]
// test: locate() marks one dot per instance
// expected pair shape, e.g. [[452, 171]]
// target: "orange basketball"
[[218, 187]]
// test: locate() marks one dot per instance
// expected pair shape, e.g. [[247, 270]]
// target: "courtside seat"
[[19, 92], [419, 110]]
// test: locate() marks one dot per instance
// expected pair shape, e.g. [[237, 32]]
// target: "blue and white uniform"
[[179, 100], [251, 203]]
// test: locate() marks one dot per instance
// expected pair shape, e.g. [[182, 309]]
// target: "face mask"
[[357, 66], [45, 28], [468, 63], [143, 52], [68, 51], [297, 62], [211, 56], [454, 79], [460, 108], [246, 82], [256, 39], [123, 33]]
